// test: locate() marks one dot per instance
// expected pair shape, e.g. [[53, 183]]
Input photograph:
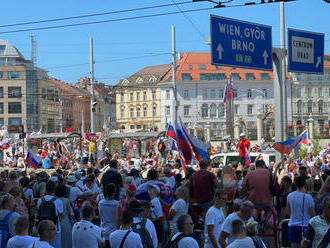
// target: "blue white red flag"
[[32, 159], [324, 153], [285, 147], [166, 192], [183, 145], [5, 146], [199, 147], [228, 92], [247, 157], [171, 132]]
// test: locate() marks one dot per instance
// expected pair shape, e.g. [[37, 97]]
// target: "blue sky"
[[124, 47]]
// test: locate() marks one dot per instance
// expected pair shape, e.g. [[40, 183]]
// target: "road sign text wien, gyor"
[[306, 51], [240, 44]]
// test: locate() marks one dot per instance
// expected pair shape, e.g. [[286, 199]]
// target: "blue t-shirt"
[[47, 164], [300, 203]]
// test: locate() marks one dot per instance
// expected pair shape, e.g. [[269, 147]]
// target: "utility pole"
[[283, 74], [174, 105], [92, 84]]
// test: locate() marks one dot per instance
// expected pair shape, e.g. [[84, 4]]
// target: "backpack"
[[174, 243], [4, 229], [144, 233], [47, 210]]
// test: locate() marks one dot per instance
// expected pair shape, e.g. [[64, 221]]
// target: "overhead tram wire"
[[93, 15], [121, 19]]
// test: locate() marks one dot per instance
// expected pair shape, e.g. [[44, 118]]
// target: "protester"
[[238, 232], [47, 232], [22, 238], [244, 148], [112, 176]]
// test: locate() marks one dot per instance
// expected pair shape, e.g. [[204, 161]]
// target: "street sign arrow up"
[[240, 44]]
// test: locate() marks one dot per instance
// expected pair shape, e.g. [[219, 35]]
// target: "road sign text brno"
[[306, 51], [240, 44]]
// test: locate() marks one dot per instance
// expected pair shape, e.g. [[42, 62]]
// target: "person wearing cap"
[[80, 181], [243, 147], [136, 208], [74, 191]]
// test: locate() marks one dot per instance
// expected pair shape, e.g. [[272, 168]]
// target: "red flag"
[[68, 130]]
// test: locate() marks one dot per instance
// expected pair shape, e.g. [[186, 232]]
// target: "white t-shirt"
[[151, 229], [21, 241], [300, 203], [107, 210], [226, 227], [156, 211], [240, 243], [133, 240], [180, 207], [215, 217], [40, 244], [186, 242], [86, 235], [74, 193], [59, 209]]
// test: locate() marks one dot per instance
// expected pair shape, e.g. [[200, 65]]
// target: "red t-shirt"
[[242, 144], [202, 186]]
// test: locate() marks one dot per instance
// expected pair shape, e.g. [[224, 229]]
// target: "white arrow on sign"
[[220, 50], [318, 62], [265, 55]]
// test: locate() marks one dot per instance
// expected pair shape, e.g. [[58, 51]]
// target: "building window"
[[186, 76], [154, 111], [320, 107], [14, 121], [249, 93], [1, 74], [205, 110], [14, 108], [131, 113], [137, 96], [213, 110], [221, 93], [153, 95], [14, 75], [309, 92], [236, 109], [203, 76], [202, 67], [234, 76], [1, 92], [1, 123], [2, 49], [43, 93], [205, 94], [264, 93], [1, 107], [138, 112], [144, 111], [167, 111], [131, 97], [298, 92], [122, 113], [186, 94], [122, 97], [190, 67], [249, 76], [320, 92], [131, 126], [299, 107], [14, 92], [168, 96], [221, 110], [249, 109], [186, 110], [144, 96], [212, 93], [309, 107], [264, 76], [221, 76]]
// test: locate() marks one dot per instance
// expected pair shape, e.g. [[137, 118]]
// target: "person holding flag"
[[244, 149]]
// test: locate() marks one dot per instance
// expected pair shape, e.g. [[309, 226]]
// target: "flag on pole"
[[285, 147], [184, 148], [229, 91], [247, 157], [32, 159], [173, 141]]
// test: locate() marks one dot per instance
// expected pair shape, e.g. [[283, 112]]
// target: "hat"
[[97, 171], [71, 179], [135, 206], [242, 135], [131, 187], [76, 173]]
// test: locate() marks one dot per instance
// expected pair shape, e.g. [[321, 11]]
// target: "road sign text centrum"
[[240, 44]]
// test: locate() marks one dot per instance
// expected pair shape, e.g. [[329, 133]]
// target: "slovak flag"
[[324, 153], [183, 145], [228, 92], [247, 157], [285, 147], [170, 132], [32, 159]]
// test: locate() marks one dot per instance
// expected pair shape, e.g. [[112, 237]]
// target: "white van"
[[228, 158]]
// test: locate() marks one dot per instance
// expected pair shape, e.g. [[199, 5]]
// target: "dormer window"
[[139, 80], [125, 82]]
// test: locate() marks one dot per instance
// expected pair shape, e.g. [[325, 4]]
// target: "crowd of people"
[[94, 200]]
